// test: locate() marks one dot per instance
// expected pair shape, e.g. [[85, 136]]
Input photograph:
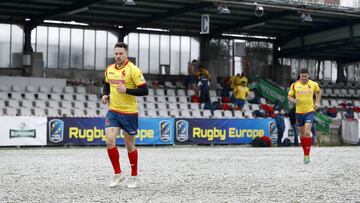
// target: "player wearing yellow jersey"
[[302, 94], [241, 93], [123, 81]]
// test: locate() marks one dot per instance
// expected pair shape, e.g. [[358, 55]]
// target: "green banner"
[[323, 123], [273, 93], [252, 85]]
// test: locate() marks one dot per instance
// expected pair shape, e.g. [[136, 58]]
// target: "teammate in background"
[[241, 78], [123, 81], [204, 87], [301, 93], [241, 93]]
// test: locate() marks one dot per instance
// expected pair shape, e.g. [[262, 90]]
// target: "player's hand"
[[121, 89], [317, 105], [104, 99]]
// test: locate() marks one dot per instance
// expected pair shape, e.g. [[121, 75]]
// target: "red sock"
[[306, 145], [302, 140], [133, 158], [115, 159]]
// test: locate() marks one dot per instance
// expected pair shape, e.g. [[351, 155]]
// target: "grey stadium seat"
[[16, 88], [40, 104], [27, 104], [56, 89], [151, 113], [80, 90], [11, 111], [68, 97], [218, 114], [238, 114], [53, 104], [207, 113], [66, 104], [4, 95], [161, 106], [93, 97], [43, 96], [13, 103], [53, 112], [228, 114], [16, 95], [91, 105], [25, 112], [69, 89], [44, 89], [55, 96], [4, 88], [29, 96], [172, 99], [91, 112], [39, 112], [30, 88], [196, 114], [80, 97], [173, 113], [185, 114]]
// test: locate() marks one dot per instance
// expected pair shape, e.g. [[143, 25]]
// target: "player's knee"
[[303, 134], [130, 148], [110, 142], [130, 145]]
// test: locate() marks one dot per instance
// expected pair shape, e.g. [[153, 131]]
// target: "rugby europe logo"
[[56, 130]]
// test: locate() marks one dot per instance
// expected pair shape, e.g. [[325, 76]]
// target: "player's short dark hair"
[[304, 70], [121, 45]]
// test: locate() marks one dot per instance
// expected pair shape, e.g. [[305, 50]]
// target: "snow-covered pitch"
[[182, 174]]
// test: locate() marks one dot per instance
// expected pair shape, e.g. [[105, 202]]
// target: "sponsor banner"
[[273, 93], [350, 131], [90, 131], [222, 131], [322, 123], [289, 131], [22, 131]]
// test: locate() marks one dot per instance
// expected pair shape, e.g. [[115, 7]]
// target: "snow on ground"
[[182, 174]]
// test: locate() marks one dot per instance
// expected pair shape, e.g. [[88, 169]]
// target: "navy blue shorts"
[[240, 102], [301, 119], [128, 122]]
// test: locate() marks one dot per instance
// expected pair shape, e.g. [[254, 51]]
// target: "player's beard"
[[119, 63], [305, 81]]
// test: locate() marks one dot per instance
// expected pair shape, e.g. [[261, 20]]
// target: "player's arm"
[[247, 94], [139, 80], [291, 99], [291, 94], [317, 99], [105, 92], [106, 89], [140, 91]]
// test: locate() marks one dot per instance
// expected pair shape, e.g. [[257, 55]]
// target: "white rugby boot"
[[117, 180], [133, 182]]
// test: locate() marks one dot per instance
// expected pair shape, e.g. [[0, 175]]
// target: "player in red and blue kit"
[[123, 82]]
